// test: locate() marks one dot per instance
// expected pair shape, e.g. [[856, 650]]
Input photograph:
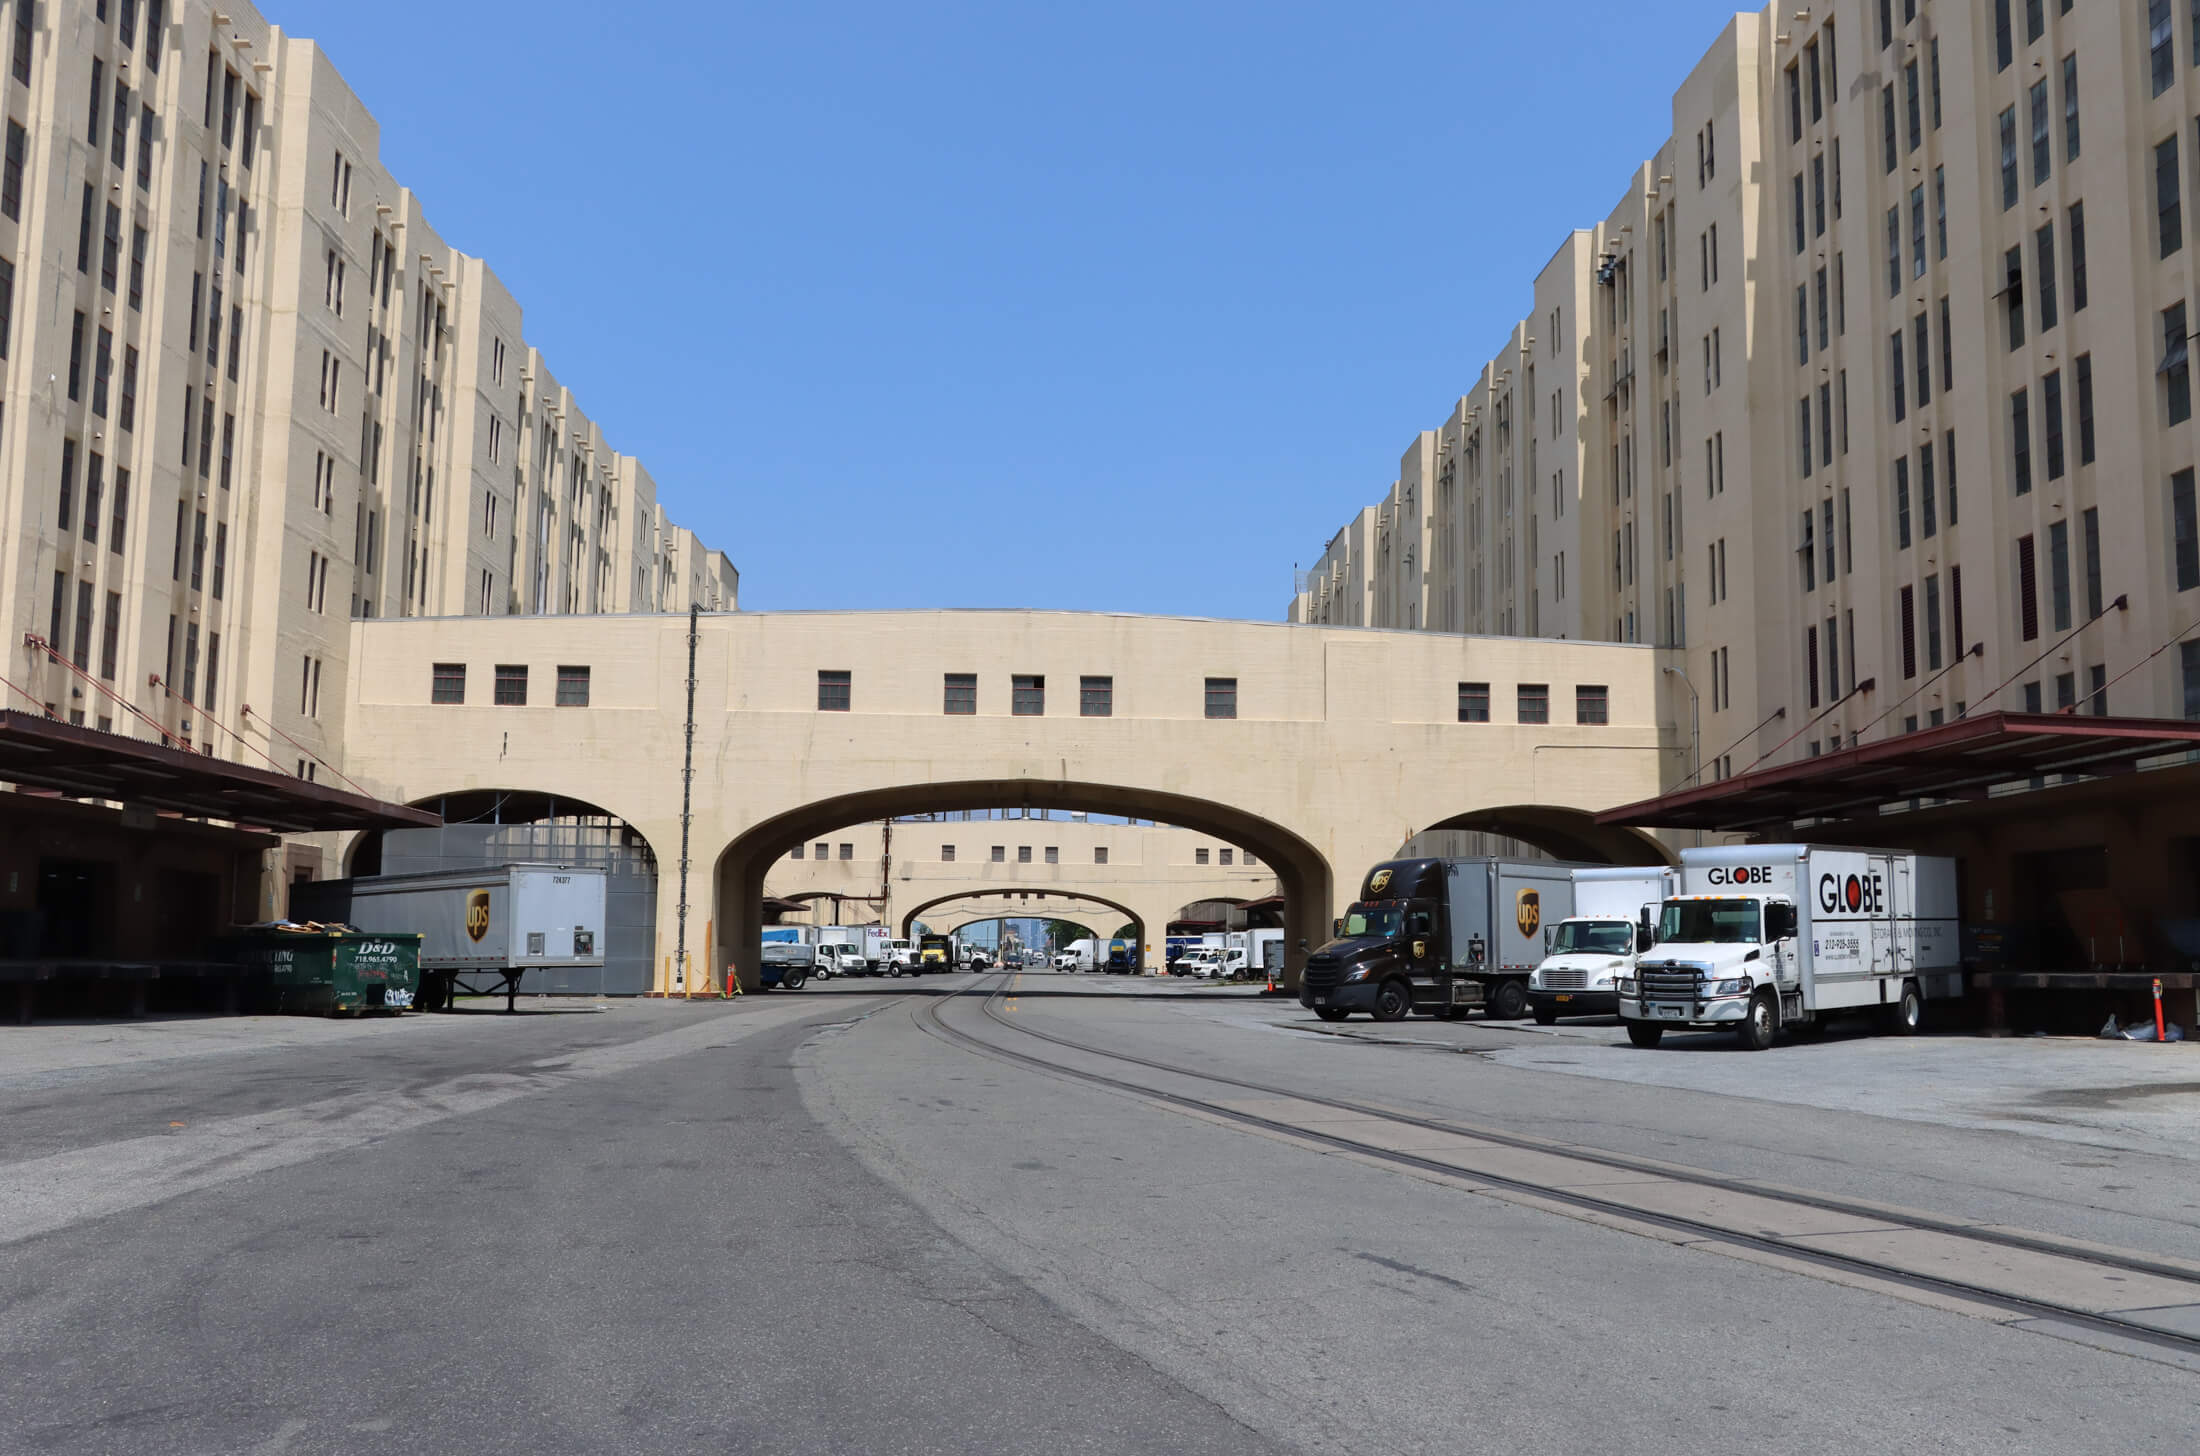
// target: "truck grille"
[[1322, 973], [1669, 984], [1565, 980]]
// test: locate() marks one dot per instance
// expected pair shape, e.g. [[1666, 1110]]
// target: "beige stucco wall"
[[1347, 741]]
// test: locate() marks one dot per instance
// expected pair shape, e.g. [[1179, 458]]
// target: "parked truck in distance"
[[1122, 958], [1615, 917], [1766, 938], [1439, 936], [936, 953]]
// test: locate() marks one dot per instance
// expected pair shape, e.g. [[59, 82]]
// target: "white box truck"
[[1770, 937], [481, 929], [1615, 916]]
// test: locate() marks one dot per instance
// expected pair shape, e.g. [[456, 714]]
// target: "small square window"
[[1023, 854], [1199, 856], [1096, 697], [1250, 858], [450, 683], [947, 854], [1474, 702], [1535, 702], [824, 850], [1222, 697], [1000, 853], [796, 852], [1100, 854], [1054, 855], [962, 694], [572, 687], [1223, 857], [847, 851], [1592, 704], [833, 690], [511, 689], [1027, 696]]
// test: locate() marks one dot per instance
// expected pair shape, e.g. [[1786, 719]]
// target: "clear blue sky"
[[1114, 307]]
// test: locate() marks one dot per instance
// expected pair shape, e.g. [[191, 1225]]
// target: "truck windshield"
[[1696, 922], [1596, 937], [1380, 921]]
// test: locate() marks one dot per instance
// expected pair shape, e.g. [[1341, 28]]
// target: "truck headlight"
[[1624, 985], [1358, 973], [1728, 988]]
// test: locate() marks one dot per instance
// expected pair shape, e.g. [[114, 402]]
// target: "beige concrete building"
[[1834, 405], [1320, 751], [250, 395], [993, 863]]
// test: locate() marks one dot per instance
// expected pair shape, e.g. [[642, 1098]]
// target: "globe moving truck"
[[1615, 915], [1769, 937], [1439, 936]]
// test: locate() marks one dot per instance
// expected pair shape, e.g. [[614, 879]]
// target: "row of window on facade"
[[1052, 854], [1027, 694], [1532, 703], [508, 685]]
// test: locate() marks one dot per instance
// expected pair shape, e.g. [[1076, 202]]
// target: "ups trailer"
[[481, 930]]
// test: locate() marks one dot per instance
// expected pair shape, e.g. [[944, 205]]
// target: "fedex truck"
[[1765, 938]]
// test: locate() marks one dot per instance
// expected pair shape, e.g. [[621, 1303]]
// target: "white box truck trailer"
[[1770, 937], [481, 930], [1615, 917]]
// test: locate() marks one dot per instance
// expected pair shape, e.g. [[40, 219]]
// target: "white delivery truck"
[[1765, 937], [480, 929], [1087, 953], [1615, 916]]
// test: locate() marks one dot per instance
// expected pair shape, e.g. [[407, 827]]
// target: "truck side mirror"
[[1547, 939], [1643, 939], [1336, 927]]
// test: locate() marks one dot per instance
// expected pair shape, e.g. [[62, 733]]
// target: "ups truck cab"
[[1769, 937], [1438, 936]]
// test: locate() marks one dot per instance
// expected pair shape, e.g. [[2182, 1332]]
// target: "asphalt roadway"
[[804, 1222]]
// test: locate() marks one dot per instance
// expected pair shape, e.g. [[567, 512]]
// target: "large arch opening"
[[1302, 872], [484, 827], [1031, 905], [1560, 832]]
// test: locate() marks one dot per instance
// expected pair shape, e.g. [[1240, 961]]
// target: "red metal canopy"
[[45, 753], [1961, 760]]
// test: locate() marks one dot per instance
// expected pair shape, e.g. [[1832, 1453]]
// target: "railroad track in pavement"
[[2130, 1301]]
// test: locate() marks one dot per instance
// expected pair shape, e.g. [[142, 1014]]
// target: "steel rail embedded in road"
[[2181, 1282]]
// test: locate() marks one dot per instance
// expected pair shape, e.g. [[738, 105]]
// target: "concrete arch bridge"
[[1319, 749]]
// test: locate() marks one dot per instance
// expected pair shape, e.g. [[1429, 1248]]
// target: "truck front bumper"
[[1575, 1003], [1722, 1011], [1350, 996]]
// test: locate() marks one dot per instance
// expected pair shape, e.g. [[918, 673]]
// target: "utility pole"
[[687, 795]]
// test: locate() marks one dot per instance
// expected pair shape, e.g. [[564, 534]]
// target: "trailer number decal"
[[477, 914], [1528, 911]]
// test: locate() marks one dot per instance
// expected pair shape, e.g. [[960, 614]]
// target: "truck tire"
[[1393, 1001], [1546, 1016], [1644, 1034], [794, 979], [1757, 1031], [1331, 1013], [1907, 1016], [1508, 1001]]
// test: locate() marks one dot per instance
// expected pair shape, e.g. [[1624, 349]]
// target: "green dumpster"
[[329, 971]]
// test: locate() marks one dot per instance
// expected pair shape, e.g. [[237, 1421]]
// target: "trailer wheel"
[[1331, 1013], [1644, 1034], [1907, 1016], [1508, 1001], [1394, 1002], [1763, 1024]]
